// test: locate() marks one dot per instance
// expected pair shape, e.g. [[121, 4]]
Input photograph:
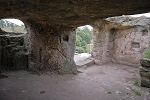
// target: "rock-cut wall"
[[53, 48], [122, 40], [46, 48], [13, 51]]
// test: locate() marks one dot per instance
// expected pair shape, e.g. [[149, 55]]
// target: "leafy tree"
[[78, 41], [83, 43], [1, 23], [147, 53], [85, 34], [83, 37], [80, 49], [87, 39]]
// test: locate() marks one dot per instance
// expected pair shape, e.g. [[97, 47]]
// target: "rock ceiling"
[[70, 13]]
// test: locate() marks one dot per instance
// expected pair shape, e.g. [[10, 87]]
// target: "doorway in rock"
[[84, 45], [14, 45]]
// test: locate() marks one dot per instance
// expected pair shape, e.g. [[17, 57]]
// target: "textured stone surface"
[[129, 45], [145, 75], [145, 72], [72, 13], [121, 39], [13, 51], [145, 63], [145, 82], [50, 25], [100, 42], [53, 49]]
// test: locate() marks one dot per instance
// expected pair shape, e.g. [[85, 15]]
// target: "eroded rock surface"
[[71, 13], [53, 49], [13, 51], [145, 72], [51, 23], [121, 40]]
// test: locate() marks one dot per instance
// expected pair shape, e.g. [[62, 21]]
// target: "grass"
[[147, 53], [136, 92], [109, 92], [137, 83], [75, 73]]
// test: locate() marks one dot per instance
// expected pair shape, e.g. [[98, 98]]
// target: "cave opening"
[[14, 45], [84, 44]]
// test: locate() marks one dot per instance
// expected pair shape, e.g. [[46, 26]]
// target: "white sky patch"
[[139, 15], [89, 27], [15, 21]]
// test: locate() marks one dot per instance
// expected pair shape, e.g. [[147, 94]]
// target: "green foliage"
[[109, 93], [147, 53], [83, 37], [75, 73], [86, 38], [78, 41], [1, 23], [136, 92], [83, 43], [137, 83], [80, 49], [11, 27]]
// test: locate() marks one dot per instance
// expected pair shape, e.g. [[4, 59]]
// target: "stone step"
[[87, 62]]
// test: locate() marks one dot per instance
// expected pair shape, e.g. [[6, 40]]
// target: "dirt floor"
[[107, 82]]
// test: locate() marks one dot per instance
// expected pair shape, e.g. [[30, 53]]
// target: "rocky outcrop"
[[71, 13], [145, 72], [100, 51], [13, 51], [51, 23], [53, 49], [121, 39]]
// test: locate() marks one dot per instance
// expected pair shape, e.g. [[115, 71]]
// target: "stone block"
[[145, 72], [145, 82], [145, 62]]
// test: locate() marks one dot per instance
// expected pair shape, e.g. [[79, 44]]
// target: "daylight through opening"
[[12, 26], [14, 45], [84, 43]]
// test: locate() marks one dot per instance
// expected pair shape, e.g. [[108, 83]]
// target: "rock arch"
[[48, 21]]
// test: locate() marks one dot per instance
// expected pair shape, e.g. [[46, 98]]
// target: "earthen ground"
[[107, 82]]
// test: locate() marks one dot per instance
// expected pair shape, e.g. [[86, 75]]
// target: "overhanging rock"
[[121, 39]]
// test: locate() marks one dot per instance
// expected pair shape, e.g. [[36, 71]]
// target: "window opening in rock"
[[12, 26], [14, 45], [84, 43]]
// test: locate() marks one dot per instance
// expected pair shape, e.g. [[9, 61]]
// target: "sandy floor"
[[107, 82]]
